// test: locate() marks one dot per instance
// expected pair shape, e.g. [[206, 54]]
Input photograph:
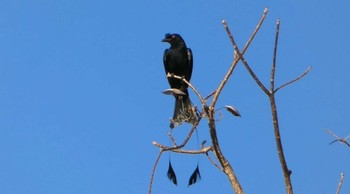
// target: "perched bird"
[[178, 60]]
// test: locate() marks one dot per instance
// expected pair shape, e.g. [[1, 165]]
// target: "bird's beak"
[[165, 40]]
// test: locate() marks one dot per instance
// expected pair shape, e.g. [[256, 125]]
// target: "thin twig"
[[190, 133], [342, 140], [273, 68], [340, 183], [176, 149], [256, 30], [294, 80], [172, 139], [210, 95], [164, 148], [153, 171], [215, 164], [189, 85], [255, 77], [229, 72]]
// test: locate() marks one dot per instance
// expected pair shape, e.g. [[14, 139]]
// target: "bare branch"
[[227, 168], [255, 77], [340, 183], [256, 30], [164, 148], [342, 140], [273, 68], [278, 139], [240, 56], [215, 164], [295, 80], [189, 85], [153, 171], [236, 59], [172, 139], [210, 95], [190, 133]]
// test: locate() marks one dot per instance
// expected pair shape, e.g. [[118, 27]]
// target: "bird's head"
[[173, 39]]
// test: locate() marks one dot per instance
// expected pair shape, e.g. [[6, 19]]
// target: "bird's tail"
[[184, 110]]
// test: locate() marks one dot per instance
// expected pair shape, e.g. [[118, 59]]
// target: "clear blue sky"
[[81, 102]]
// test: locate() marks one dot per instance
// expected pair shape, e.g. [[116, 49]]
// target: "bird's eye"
[[173, 36]]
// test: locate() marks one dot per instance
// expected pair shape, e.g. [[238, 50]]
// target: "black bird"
[[178, 60]]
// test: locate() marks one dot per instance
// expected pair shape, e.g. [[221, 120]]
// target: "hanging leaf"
[[233, 110], [196, 175], [171, 174], [174, 92]]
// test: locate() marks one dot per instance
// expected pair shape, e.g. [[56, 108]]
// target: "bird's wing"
[[165, 56], [190, 64]]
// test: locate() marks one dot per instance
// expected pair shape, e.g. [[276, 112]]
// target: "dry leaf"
[[233, 110]]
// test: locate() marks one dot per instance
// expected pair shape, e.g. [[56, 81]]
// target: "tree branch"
[[340, 183], [153, 171], [236, 59], [241, 57], [295, 80], [286, 171], [337, 138], [215, 164], [273, 68], [164, 148], [227, 168], [189, 85]]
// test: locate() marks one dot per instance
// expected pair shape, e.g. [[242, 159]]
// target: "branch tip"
[[266, 10]]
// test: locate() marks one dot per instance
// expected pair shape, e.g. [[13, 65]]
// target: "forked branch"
[[337, 138], [278, 139], [236, 60], [294, 80]]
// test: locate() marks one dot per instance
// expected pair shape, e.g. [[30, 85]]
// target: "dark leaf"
[[196, 175], [171, 174], [233, 110]]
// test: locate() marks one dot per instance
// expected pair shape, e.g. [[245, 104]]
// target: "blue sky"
[[81, 101]]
